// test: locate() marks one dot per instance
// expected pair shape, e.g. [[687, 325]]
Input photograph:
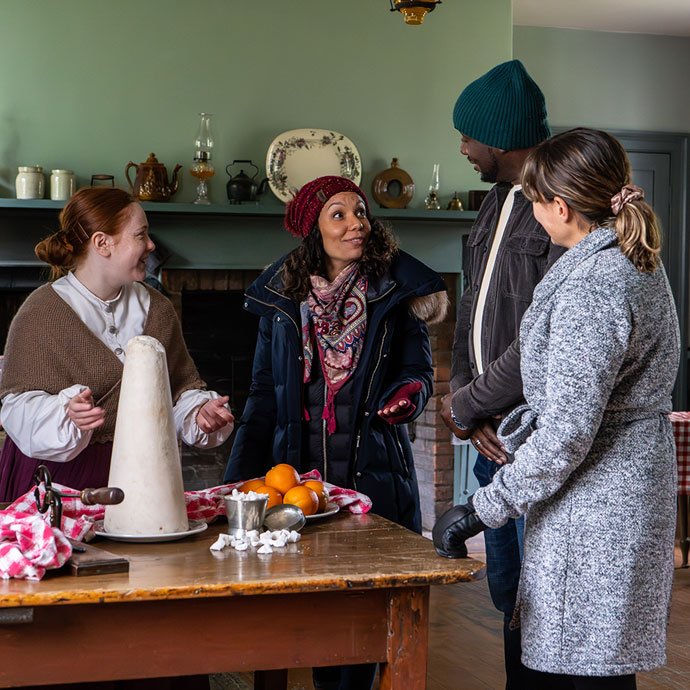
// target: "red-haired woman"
[[66, 349]]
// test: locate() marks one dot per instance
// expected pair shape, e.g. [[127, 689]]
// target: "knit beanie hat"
[[303, 211], [504, 109]]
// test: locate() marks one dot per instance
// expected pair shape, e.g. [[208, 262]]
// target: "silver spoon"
[[284, 516]]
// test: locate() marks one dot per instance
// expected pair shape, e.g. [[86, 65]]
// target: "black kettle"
[[242, 187]]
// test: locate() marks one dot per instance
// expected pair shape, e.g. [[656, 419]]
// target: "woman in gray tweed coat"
[[594, 459]]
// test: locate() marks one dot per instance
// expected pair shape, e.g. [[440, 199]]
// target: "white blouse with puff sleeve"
[[38, 422]]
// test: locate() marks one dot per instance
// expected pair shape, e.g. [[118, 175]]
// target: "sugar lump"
[[265, 541]]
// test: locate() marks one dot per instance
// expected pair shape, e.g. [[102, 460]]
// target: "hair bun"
[[56, 250]]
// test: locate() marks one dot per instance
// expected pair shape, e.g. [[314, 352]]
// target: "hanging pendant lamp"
[[414, 11]]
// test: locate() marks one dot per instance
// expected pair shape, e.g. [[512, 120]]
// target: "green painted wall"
[[91, 84], [609, 80]]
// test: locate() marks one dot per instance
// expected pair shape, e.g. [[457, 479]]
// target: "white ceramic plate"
[[299, 155], [195, 526], [331, 509]]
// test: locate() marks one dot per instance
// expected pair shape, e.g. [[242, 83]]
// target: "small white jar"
[[30, 182], [62, 184]]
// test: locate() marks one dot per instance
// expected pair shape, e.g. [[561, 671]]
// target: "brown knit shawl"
[[49, 348]]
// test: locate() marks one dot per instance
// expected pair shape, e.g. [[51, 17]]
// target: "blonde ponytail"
[[639, 235]]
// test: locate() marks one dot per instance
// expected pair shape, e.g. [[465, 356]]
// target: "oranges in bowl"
[[251, 485], [303, 497], [320, 490], [275, 498], [282, 484], [282, 477]]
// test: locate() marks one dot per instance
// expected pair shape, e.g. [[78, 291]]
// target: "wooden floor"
[[466, 642]]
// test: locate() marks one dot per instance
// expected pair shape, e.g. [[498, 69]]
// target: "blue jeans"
[[503, 562]]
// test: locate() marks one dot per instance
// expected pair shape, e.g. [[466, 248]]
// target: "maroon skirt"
[[88, 470]]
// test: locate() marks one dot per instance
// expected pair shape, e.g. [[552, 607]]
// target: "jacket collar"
[[410, 276], [375, 290], [597, 240], [500, 191]]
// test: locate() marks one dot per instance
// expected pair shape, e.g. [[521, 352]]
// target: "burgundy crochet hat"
[[303, 211]]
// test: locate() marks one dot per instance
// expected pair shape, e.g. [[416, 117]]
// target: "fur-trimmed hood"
[[430, 308]]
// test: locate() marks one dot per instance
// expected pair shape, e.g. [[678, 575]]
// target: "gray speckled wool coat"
[[594, 466]]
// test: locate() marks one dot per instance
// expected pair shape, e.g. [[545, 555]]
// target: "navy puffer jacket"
[[396, 351]]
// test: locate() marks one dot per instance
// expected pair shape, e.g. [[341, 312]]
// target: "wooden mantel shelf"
[[247, 209], [232, 236]]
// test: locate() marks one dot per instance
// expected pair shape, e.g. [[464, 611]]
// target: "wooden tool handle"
[[108, 495]]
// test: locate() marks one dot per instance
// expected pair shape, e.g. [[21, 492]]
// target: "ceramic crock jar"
[[62, 184], [30, 182]]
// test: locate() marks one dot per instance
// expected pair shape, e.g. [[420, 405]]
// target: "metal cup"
[[245, 516]]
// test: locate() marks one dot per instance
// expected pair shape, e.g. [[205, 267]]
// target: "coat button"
[[366, 414], [246, 304], [300, 358], [385, 355], [358, 474], [278, 318], [118, 351], [112, 329]]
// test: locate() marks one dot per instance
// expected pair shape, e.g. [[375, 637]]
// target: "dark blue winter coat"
[[396, 351]]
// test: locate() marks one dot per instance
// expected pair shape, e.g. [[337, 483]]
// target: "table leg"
[[408, 636], [683, 540], [271, 680]]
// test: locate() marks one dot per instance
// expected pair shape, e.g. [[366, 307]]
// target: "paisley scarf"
[[334, 315]]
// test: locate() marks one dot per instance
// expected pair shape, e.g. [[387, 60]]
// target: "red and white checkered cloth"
[[681, 431], [29, 545]]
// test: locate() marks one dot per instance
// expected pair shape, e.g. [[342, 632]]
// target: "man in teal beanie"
[[501, 117]]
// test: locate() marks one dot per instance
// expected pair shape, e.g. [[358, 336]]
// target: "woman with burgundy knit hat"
[[342, 361]]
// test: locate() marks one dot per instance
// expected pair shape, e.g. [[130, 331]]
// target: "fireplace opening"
[[221, 337], [16, 284]]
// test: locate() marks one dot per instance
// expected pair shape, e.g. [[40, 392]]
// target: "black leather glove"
[[453, 528]]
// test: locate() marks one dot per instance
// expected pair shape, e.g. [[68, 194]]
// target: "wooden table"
[[355, 589]]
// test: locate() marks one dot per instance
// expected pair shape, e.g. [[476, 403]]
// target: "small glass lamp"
[[202, 167], [431, 202]]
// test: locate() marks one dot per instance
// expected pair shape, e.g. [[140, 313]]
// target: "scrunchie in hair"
[[628, 193]]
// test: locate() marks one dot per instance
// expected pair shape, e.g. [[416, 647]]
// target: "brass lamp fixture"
[[414, 10]]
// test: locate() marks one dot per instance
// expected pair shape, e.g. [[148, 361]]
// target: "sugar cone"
[[146, 462]]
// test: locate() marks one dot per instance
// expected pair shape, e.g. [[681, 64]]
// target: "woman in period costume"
[[342, 361], [594, 457], [66, 349]]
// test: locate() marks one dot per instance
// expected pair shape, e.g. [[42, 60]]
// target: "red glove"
[[399, 407]]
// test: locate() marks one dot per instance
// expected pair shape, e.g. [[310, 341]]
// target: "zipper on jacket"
[[403, 460], [366, 400], [324, 423], [390, 289]]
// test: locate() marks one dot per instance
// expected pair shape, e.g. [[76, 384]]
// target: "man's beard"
[[490, 175]]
